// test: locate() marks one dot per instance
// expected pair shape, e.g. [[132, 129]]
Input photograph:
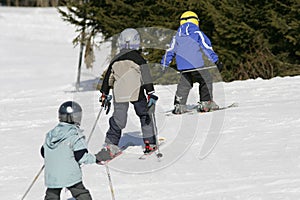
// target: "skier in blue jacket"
[[193, 51], [64, 150]]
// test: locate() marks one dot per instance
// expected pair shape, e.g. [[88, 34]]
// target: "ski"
[[193, 110], [229, 106], [220, 108], [122, 149], [189, 111], [144, 156]]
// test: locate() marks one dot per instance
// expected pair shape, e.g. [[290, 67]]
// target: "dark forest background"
[[253, 38]]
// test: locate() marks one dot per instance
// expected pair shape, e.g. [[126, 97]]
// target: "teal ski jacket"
[[60, 150]]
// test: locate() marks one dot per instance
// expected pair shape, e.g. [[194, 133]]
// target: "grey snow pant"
[[78, 191], [119, 119], [185, 84]]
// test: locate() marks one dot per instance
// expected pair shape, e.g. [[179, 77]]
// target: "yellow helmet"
[[189, 16]]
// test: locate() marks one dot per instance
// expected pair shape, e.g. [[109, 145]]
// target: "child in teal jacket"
[[64, 150]]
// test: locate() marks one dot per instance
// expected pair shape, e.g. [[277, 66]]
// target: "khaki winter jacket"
[[128, 75], [125, 78]]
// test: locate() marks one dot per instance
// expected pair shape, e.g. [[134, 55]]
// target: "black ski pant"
[[119, 119], [185, 84], [78, 191]]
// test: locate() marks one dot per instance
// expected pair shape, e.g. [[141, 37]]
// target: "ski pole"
[[200, 69], [110, 182], [159, 154], [105, 105], [94, 126], [34, 180]]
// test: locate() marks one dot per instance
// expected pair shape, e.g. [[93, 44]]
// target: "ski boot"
[[207, 106], [179, 109], [149, 147]]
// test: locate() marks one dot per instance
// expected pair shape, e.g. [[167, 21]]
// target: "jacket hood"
[[59, 134], [187, 29]]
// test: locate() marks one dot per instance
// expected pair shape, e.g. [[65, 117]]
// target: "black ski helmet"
[[70, 112]]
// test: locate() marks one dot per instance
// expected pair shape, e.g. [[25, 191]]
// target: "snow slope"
[[256, 152]]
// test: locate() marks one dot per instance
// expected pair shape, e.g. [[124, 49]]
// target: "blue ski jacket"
[[62, 168], [191, 47]]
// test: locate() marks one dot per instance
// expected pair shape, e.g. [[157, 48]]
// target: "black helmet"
[[70, 112]]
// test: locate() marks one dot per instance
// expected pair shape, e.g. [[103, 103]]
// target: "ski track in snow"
[[256, 156]]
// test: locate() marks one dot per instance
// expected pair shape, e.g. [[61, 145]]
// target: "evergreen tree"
[[256, 38], [252, 38]]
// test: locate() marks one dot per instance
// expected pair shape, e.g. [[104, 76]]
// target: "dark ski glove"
[[152, 100], [102, 156], [219, 65], [105, 100]]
